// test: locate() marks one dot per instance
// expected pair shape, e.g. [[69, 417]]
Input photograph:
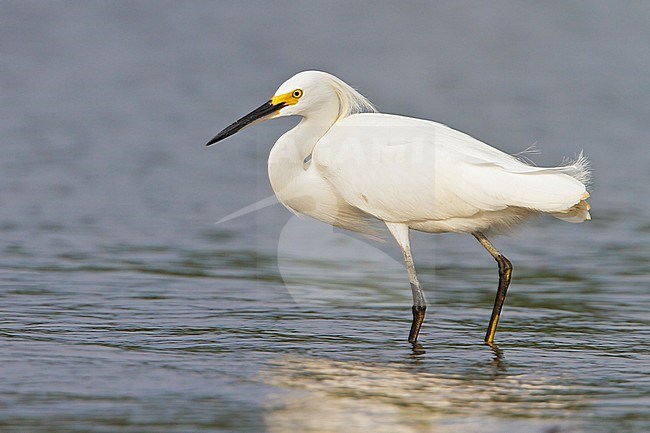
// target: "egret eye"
[[296, 94]]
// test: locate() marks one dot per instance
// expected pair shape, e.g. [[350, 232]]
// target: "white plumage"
[[436, 179], [349, 166]]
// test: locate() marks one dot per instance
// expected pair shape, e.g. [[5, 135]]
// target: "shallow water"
[[126, 308]]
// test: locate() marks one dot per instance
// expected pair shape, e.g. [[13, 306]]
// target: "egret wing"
[[402, 169]]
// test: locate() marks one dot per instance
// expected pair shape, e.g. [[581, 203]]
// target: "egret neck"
[[290, 175]]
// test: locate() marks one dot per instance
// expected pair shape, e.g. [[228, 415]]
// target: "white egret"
[[347, 165]]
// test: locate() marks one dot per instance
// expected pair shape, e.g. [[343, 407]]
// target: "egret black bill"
[[262, 111]]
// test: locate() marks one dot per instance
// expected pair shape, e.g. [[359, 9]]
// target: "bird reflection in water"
[[325, 395]]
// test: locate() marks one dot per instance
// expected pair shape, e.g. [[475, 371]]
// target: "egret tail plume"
[[580, 171]]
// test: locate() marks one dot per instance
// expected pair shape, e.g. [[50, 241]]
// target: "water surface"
[[126, 308]]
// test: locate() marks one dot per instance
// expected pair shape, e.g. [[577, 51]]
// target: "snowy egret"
[[349, 166]]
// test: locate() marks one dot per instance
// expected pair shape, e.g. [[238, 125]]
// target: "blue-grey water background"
[[124, 307]]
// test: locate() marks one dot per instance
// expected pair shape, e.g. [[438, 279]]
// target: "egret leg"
[[505, 272], [401, 234]]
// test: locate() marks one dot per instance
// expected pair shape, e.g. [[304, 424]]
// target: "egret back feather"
[[455, 183]]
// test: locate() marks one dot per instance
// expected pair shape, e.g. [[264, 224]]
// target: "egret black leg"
[[419, 302], [505, 273], [401, 234], [418, 318]]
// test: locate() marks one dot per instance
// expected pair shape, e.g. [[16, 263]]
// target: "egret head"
[[303, 94]]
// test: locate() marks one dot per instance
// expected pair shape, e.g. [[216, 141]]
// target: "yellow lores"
[[407, 174], [290, 98]]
